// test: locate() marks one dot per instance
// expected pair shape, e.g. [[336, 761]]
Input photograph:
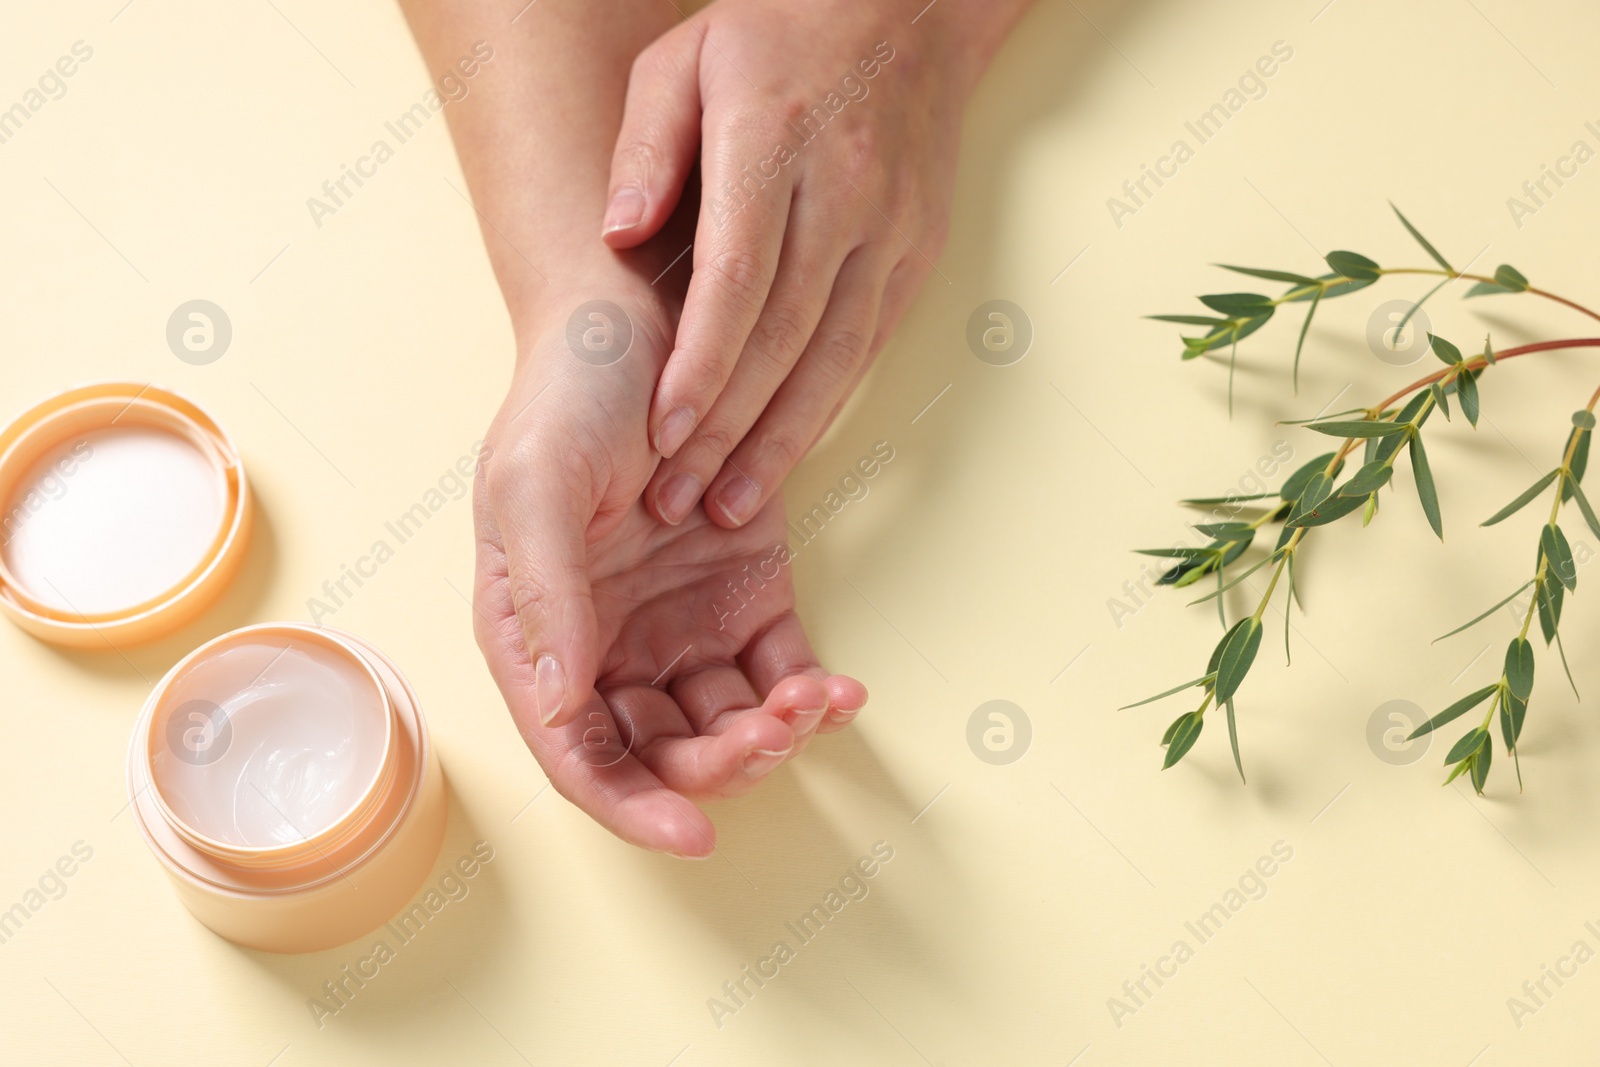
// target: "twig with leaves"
[[1313, 496]]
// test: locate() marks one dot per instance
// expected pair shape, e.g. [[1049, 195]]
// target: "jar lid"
[[124, 512]]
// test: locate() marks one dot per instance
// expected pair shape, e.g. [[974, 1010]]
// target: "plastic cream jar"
[[283, 776], [124, 512]]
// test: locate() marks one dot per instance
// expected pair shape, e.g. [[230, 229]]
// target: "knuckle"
[[779, 450], [717, 436], [839, 351], [782, 330], [860, 152], [637, 158], [739, 273]]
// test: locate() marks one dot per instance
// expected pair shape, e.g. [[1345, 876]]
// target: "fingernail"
[[624, 211], [845, 716], [806, 721], [676, 497], [686, 856], [548, 687], [675, 430], [738, 500], [760, 761]]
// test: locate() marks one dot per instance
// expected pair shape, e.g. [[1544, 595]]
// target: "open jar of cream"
[[124, 512], [283, 776]]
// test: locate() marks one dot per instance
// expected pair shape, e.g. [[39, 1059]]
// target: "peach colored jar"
[[283, 776], [143, 520]]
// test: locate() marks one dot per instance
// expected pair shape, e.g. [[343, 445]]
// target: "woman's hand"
[[645, 666], [826, 136]]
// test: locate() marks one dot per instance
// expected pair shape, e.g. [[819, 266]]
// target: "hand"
[[830, 133], [637, 675]]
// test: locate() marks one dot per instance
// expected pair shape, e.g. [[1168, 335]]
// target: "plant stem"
[[1480, 361], [1544, 560], [1574, 305]]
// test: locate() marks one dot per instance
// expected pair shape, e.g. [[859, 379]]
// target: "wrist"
[[969, 35]]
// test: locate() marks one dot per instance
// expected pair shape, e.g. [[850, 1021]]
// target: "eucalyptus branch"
[[1313, 496]]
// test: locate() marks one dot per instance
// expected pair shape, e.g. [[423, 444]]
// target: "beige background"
[[368, 355]]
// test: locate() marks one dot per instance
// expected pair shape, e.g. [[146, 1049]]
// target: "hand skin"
[[610, 636], [826, 134]]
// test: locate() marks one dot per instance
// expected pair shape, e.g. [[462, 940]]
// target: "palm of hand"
[[704, 680]]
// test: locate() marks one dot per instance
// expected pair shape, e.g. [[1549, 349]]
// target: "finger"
[[715, 698], [748, 745], [657, 143], [781, 654], [832, 359], [904, 283], [537, 512], [622, 794], [807, 266], [737, 243]]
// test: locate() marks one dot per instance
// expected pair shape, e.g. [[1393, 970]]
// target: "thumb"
[[658, 141], [541, 513]]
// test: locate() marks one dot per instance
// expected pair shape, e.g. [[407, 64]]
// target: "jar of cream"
[[282, 775]]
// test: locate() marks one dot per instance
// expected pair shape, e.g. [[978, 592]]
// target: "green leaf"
[[1238, 305], [1315, 492], [1519, 668], [1340, 286], [1446, 351], [1181, 736], [1488, 352], [1454, 711], [1415, 405], [1352, 428], [1301, 343], [1528, 494], [1480, 764], [1353, 265], [1421, 240], [1190, 320], [1559, 554], [1418, 305], [1227, 531], [1166, 737], [1550, 597], [1469, 743], [1467, 390], [1468, 625], [1169, 692], [1297, 482], [1320, 418], [1235, 653], [1197, 346], [1270, 275], [1235, 580], [1368, 480], [1328, 511], [1487, 289], [1214, 501], [1510, 278], [1583, 419], [1179, 553], [1580, 460], [1513, 712], [1561, 648], [1583, 506], [1426, 492], [1439, 399], [1233, 740]]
